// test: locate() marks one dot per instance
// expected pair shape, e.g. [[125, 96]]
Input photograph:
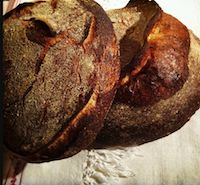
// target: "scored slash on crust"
[[67, 128]]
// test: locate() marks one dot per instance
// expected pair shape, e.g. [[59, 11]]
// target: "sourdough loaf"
[[61, 66], [159, 86]]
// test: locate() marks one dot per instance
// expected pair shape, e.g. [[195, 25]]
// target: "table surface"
[[172, 160]]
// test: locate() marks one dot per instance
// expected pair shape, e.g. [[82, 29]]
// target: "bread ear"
[[159, 88], [126, 125]]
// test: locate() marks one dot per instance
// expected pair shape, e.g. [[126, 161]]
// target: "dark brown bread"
[[131, 25], [161, 68], [154, 50], [61, 66], [125, 125], [163, 93]]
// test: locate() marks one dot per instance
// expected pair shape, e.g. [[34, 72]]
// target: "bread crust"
[[126, 125], [159, 88], [161, 67], [60, 70]]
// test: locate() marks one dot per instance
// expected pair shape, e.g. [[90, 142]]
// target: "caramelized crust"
[[61, 71], [126, 125], [131, 25], [161, 69], [159, 88]]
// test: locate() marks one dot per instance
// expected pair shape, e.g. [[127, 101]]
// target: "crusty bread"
[[131, 24], [61, 66], [154, 50], [155, 108], [126, 125]]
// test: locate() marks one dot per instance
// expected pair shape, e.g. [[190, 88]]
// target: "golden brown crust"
[[54, 96]]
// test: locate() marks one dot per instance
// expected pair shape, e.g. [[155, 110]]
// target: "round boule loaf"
[[61, 67]]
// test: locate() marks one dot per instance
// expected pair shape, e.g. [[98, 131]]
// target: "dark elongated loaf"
[[61, 66]]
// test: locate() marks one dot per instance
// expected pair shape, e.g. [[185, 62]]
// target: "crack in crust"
[[64, 107], [169, 61], [90, 35], [127, 126], [161, 69]]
